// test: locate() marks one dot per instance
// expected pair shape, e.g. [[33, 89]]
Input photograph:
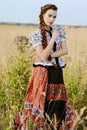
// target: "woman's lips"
[[50, 22]]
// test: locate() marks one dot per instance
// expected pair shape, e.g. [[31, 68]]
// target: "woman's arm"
[[63, 50], [43, 54]]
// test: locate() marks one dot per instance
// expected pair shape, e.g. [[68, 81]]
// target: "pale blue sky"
[[71, 12]]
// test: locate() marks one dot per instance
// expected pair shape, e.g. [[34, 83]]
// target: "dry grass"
[[76, 40], [8, 48], [77, 56]]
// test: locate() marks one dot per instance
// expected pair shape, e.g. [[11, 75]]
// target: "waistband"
[[46, 66]]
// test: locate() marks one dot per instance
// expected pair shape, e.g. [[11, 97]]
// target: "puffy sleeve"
[[63, 35], [35, 38]]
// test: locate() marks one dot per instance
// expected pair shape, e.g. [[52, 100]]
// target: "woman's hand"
[[55, 35]]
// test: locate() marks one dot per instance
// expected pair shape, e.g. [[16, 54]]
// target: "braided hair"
[[43, 26]]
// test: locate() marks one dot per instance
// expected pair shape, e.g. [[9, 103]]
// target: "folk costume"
[[46, 97]]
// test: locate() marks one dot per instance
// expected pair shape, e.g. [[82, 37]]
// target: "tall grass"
[[16, 65]]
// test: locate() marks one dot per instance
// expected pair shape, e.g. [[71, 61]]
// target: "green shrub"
[[16, 82], [76, 89], [77, 94]]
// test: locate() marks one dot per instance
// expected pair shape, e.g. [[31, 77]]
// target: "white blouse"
[[35, 38]]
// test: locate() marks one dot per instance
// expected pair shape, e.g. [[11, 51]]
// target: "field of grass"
[[8, 48], [76, 58], [76, 40]]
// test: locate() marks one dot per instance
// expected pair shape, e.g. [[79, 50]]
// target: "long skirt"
[[45, 101], [55, 103]]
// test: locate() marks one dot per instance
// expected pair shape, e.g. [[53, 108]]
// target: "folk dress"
[[46, 97]]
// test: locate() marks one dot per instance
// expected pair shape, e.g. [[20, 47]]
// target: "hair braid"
[[43, 26]]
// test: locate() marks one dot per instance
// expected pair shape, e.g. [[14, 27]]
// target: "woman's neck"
[[48, 28]]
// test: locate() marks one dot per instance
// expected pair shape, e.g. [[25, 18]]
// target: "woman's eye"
[[49, 15], [54, 17]]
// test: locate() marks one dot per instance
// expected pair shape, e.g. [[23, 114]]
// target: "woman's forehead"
[[51, 12]]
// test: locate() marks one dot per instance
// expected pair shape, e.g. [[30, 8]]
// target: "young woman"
[[45, 99]]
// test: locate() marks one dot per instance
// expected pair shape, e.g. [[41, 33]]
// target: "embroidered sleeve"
[[63, 35], [35, 38], [62, 32]]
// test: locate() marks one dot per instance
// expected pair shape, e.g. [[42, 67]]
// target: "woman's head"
[[48, 15]]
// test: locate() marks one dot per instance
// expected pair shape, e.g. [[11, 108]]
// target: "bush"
[[77, 94], [16, 81], [76, 89]]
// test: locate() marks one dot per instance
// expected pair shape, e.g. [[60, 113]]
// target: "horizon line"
[[20, 23]]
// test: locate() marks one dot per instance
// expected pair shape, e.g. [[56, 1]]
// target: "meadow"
[[76, 40], [12, 61]]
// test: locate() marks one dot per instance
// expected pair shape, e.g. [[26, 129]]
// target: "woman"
[[45, 99]]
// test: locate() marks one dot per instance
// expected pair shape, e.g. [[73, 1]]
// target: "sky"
[[70, 12]]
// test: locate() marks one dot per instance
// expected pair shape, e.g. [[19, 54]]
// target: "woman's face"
[[49, 17]]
